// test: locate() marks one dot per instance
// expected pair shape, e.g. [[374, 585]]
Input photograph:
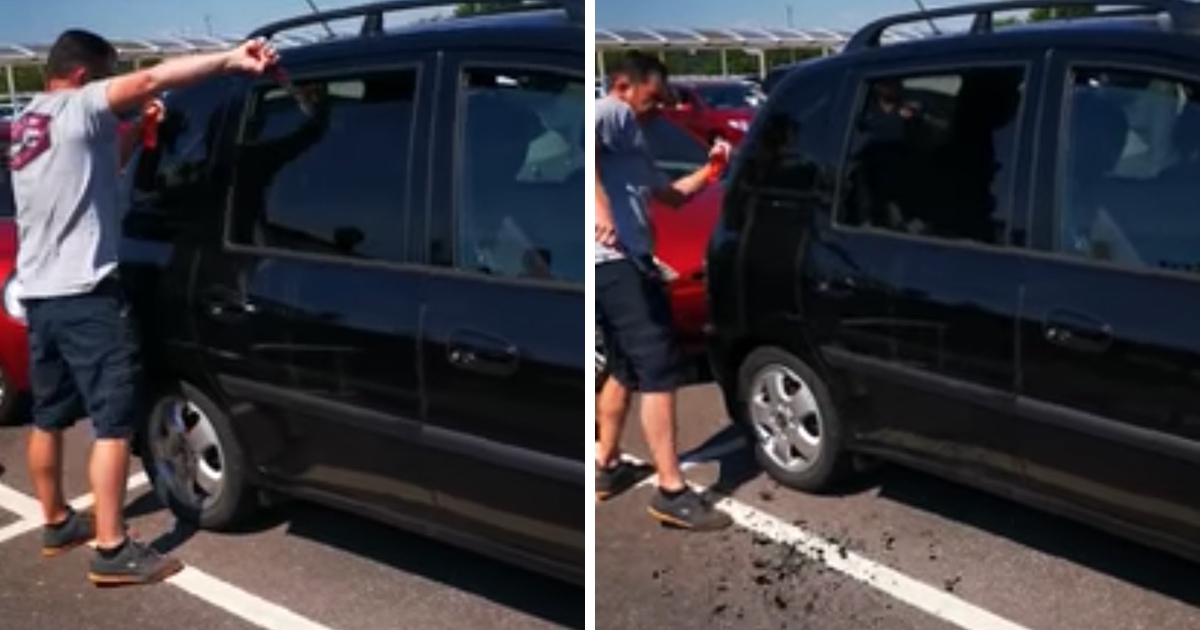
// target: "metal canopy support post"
[[11, 76], [724, 62], [600, 64]]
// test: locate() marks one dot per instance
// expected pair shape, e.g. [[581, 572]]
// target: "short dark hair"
[[77, 48], [637, 66]]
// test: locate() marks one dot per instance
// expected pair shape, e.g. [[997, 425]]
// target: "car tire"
[[168, 470], [784, 402]]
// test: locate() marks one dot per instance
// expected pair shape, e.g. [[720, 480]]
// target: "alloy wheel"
[[786, 418], [188, 457]]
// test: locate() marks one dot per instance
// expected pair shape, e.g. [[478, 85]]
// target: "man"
[[631, 300], [65, 161]]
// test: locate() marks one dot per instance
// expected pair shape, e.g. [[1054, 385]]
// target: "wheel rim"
[[188, 457], [786, 418]]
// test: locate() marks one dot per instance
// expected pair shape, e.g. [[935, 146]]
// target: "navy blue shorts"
[[84, 361], [634, 314]]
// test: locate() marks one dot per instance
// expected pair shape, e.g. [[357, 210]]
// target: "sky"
[[841, 14], [117, 19]]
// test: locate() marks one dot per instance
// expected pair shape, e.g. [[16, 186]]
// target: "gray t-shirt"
[[65, 167], [629, 175]]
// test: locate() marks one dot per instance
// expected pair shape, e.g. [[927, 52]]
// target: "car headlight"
[[12, 299], [740, 125]]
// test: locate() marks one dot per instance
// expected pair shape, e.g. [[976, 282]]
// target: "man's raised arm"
[[129, 92]]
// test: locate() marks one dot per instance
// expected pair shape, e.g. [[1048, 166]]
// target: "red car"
[[682, 236], [14, 344], [715, 108]]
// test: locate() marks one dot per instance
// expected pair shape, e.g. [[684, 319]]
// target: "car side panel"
[[502, 365]]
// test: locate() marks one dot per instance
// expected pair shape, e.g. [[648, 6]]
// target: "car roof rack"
[[373, 14], [1184, 14]]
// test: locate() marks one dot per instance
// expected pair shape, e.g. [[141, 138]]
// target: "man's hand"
[[719, 152], [153, 112], [606, 229], [253, 57]]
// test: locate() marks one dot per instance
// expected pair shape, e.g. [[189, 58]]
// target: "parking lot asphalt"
[[299, 567], [896, 550]]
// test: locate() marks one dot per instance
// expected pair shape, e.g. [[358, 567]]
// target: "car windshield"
[[675, 151], [726, 96]]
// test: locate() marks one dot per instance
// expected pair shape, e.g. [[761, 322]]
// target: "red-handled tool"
[[285, 81], [150, 133], [718, 160]]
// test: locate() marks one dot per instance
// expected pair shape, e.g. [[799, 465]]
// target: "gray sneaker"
[[135, 563], [689, 511], [78, 529]]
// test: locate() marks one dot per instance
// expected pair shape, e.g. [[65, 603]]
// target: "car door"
[[502, 323], [1108, 347], [312, 304], [942, 163], [173, 215], [801, 276]]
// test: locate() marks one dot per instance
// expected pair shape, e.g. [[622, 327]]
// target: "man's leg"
[[45, 470], [101, 349], [613, 475], [638, 318], [647, 336], [56, 407], [108, 471], [612, 407], [659, 425]]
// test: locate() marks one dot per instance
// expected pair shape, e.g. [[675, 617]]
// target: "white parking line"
[[929, 599], [30, 513], [240, 603], [216, 592]]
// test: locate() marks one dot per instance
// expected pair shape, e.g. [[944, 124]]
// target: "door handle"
[[226, 306], [838, 287], [1076, 331], [478, 352]]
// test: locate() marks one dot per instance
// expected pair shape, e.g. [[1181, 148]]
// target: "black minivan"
[[365, 286], [977, 254]]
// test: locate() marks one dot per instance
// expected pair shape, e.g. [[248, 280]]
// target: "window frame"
[[458, 159], [408, 206], [1066, 64], [1026, 117]]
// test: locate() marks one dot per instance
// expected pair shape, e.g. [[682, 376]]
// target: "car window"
[[794, 146], [523, 174], [934, 155], [675, 150], [726, 96], [186, 137], [1132, 136], [329, 177]]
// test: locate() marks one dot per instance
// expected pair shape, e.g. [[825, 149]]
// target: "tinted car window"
[[934, 155], [1132, 136], [728, 95], [793, 152], [329, 178], [186, 138], [674, 149], [523, 174]]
